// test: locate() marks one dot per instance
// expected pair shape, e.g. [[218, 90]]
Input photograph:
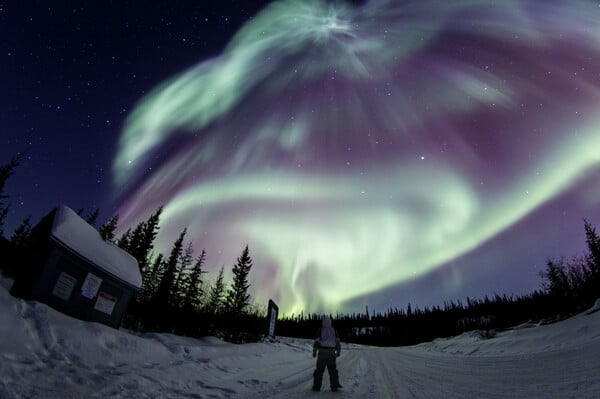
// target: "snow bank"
[[46, 354], [527, 338], [594, 308]]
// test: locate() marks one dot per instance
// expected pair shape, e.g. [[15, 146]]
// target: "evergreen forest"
[[178, 296]]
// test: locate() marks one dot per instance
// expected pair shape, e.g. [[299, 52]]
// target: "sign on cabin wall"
[[105, 303], [64, 286], [90, 286]]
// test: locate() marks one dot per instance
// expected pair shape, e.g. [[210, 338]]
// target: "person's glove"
[[314, 353], [337, 353]]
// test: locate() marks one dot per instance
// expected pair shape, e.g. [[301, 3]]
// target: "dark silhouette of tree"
[[593, 243], [237, 296], [135, 240], [92, 217], [555, 279], [162, 298], [3, 214], [574, 284], [183, 274], [141, 241], [215, 301], [6, 171], [107, 230], [123, 241], [151, 278], [150, 232], [20, 237], [568, 288], [195, 291]]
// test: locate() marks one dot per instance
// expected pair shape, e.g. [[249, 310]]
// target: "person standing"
[[327, 346]]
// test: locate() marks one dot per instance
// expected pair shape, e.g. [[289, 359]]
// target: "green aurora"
[[357, 148]]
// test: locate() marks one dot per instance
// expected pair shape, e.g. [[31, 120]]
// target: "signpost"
[[272, 317]]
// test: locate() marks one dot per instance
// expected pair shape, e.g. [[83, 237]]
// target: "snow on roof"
[[75, 233]]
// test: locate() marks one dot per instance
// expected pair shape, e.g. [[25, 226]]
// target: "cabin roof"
[[76, 234]]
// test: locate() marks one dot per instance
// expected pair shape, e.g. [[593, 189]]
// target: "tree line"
[[177, 297], [567, 288]]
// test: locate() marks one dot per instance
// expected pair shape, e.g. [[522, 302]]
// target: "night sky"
[[369, 152]]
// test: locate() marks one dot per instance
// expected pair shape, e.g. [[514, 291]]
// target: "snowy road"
[[365, 372], [44, 354], [410, 373]]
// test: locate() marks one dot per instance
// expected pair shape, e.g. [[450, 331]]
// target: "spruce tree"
[[3, 214], [165, 288], [149, 233], [182, 281], [92, 217], [152, 276], [20, 237], [214, 304], [593, 243], [194, 291], [6, 171], [133, 246], [592, 260], [237, 296], [123, 241], [555, 278], [141, 240], [107, 230]]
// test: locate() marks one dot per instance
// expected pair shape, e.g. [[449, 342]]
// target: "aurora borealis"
[[357, 147]]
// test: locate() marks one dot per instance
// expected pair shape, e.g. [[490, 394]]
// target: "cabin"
[[72, 269]]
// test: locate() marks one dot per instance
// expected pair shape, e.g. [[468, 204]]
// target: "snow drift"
[[45, 354]]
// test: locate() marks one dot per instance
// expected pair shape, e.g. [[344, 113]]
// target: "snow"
[[75, 233], [45, 354]]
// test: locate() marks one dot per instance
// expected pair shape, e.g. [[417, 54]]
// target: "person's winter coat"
[[327, 337]]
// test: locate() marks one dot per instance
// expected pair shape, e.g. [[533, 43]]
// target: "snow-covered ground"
[[44, 354]]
